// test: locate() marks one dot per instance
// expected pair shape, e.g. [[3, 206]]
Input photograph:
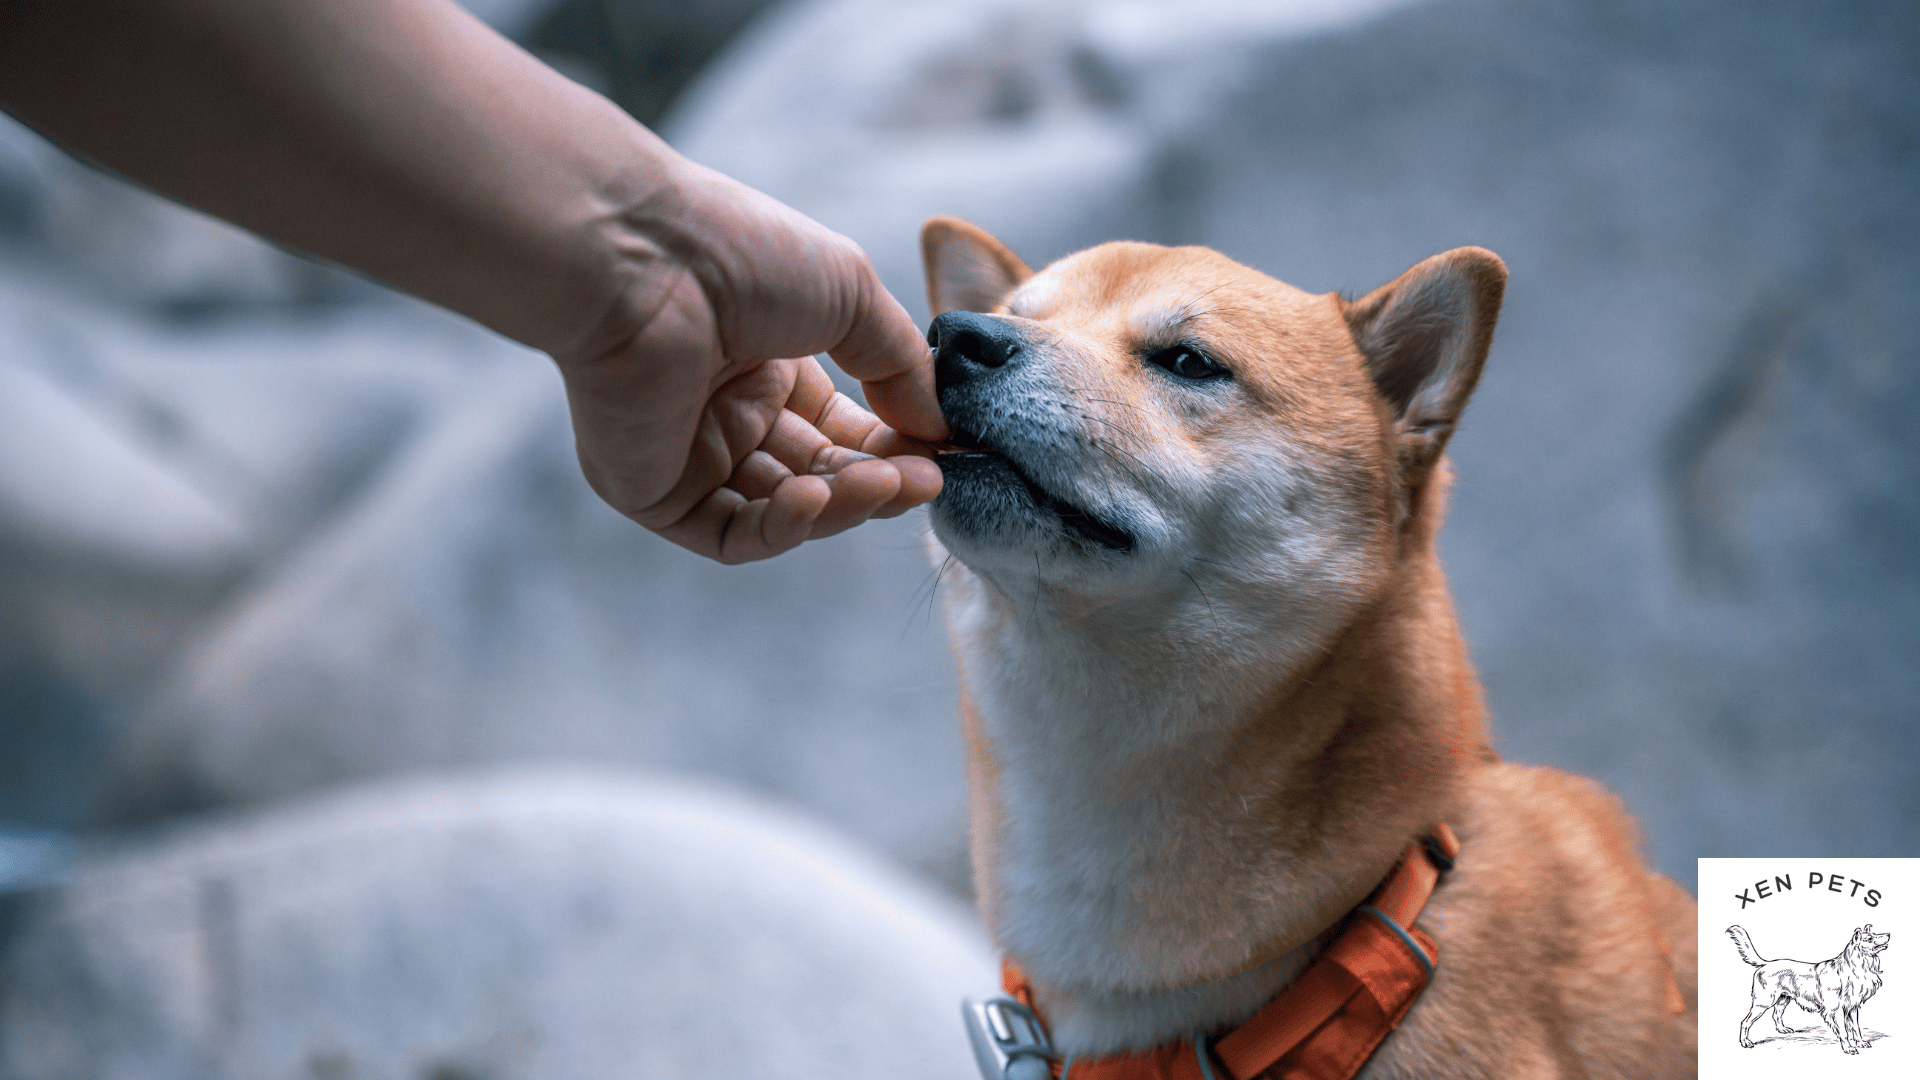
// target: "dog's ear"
[[1425, 336], [967, 269]]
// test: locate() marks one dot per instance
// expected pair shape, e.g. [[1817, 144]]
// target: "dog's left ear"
[[1425, 336]]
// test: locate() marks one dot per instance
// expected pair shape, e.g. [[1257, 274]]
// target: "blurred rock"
[[148, 471], [548, 925], [29, 859], [640, 53], [1688, 495], [514, 18], [477, 604], [483, 606], [118, 243]]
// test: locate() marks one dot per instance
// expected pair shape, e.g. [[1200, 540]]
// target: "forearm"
[[401, 138]]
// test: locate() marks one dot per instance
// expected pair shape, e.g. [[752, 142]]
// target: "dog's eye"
[[1188, 363]]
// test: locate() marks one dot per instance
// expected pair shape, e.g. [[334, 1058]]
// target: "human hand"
[[701, 426]]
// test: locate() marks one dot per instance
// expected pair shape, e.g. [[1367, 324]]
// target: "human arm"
[[406, 140]]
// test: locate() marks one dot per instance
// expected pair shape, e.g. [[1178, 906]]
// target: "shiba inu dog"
[[1832, 989], [1213, 685]]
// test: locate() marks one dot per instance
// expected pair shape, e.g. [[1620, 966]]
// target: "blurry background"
[[344, 733]]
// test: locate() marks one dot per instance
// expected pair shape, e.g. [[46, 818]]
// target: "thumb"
[[889, 355]]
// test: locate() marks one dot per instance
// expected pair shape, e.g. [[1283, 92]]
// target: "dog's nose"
[[964, 341]]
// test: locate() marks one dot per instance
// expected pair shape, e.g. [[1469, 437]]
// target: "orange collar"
[[1326, 1023]]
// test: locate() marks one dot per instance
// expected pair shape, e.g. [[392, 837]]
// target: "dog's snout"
[[964, 342]]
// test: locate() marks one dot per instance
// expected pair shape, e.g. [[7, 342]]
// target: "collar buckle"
[[1009, 1042]]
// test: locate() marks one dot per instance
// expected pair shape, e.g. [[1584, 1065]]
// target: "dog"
[[1212, 683], [1832, 989]]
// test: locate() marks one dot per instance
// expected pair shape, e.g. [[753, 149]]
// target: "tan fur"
[[1192, 758]]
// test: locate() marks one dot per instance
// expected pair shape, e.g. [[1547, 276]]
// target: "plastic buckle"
[[1008, 1040]]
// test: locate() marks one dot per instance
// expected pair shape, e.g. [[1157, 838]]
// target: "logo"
[[1809, 964]]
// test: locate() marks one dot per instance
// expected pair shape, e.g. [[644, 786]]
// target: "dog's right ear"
[[967, 269]]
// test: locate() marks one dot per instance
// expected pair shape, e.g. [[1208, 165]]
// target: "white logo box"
[[1807, 910]]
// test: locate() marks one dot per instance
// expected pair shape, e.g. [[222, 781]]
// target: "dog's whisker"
[[1085, 393], [1209, 602], [1110, 448], [1117, 463], [1085, 415], [1035, 616]]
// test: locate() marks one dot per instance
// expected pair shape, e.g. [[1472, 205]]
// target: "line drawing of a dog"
[[1834, 989]]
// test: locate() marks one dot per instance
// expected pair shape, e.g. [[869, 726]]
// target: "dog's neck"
[[1147, 827], [1864, 956]]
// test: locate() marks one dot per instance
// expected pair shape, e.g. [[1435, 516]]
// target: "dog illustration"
[[1834, 989], [1215, 693]]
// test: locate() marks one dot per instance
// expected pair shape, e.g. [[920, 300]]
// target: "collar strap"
[[1329, 1020]]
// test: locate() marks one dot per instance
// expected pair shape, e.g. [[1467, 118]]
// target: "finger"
[[883, 441], [920, 483], [906, 403], [731, 528], [801, 447], [842, 420], [889, 355], [735, 421], [846, 423], [788, 515], [812, 390], [857, 492], [701, 529], [758, 474]]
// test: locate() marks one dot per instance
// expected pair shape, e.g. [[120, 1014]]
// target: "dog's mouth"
[[968, 460]]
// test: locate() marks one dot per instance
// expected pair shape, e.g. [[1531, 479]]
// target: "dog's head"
[[1869, 944], [1134, 417]]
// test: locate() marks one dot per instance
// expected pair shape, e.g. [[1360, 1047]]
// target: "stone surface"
[[150, 471], [556, 925], [479, 605], [640, 53], [1687, 505], [112, 241]]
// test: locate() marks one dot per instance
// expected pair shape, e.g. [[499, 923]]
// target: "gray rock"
[[558, 925], [480, 605], [30, 859], [108, 239], [514, 18], [640, 53], [1687, 507], [149, 472]]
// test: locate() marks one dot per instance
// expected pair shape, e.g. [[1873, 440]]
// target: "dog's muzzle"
[[993, 394]]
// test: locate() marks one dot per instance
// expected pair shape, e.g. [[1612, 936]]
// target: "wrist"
[[642, 240]]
